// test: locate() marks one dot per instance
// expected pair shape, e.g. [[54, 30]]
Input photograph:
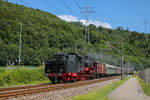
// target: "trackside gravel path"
[[130, 90]]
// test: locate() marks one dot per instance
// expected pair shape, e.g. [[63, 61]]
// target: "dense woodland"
[[44, 34]]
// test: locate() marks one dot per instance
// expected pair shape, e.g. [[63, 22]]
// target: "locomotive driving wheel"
[[52, 80]]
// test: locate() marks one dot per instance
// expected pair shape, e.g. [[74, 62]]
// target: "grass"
[[15, 66], [17, 77], [100, 94], [32, 83], [145, 86]]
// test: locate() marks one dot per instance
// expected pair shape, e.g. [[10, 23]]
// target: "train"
[[70, 67]]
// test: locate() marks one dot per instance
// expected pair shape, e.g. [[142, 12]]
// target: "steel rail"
[[34, 89]]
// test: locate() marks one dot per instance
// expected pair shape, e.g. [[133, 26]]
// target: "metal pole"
[[122, 61], [128, 68], [85, 33], [20, 46], [145, 22], [86, 12]]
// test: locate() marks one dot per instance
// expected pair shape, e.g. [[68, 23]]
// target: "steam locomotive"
[[68, 67]]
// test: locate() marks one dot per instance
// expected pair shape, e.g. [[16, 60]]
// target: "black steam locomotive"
[[72, 67], [68, 67]]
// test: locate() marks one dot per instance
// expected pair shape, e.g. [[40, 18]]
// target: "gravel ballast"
[[66, 93]]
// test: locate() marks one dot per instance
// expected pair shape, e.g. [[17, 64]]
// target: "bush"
[[145, 86], [21, 76]]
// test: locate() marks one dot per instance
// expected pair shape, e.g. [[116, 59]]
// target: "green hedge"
[[21, 76], [145, 86]]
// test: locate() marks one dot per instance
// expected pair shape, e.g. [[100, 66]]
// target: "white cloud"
[[69, 18], [96, 23]]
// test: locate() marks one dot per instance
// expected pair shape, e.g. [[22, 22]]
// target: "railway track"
[[6, 93]]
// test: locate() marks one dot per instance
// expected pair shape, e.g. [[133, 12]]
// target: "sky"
[[134, 14]]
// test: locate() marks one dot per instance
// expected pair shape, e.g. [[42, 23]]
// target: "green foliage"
[[21, 76], [44, 35], [100, 94], [145, 86]]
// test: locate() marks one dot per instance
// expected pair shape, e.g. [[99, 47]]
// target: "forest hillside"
[[44, 34]]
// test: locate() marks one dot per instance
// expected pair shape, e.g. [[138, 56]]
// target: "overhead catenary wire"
[[25, 3], [69, 8], [86, 2], [82, 4], [79, 6], [84, 10], [76, 3], [57, 9]]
